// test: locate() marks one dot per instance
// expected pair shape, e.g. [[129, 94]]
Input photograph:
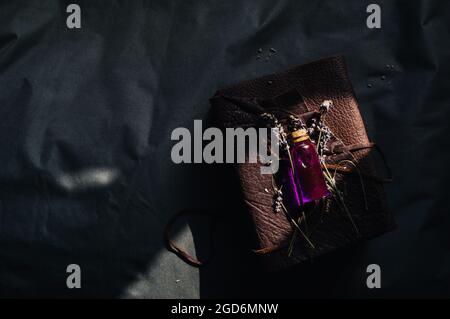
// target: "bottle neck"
[[299, 135]]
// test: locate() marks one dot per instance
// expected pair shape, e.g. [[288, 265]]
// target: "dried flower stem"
[[336, 193], [360, 179], [298, 227]]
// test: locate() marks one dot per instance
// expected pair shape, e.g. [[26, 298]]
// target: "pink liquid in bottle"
[[307, 173]]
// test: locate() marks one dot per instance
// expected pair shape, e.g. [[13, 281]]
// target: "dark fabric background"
[[110, 94]]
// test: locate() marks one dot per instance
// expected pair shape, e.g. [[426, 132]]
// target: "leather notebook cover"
[[301, 90]]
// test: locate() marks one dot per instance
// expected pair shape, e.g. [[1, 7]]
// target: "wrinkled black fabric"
[[104, 99]]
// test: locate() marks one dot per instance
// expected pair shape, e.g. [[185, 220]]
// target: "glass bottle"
[[307, 173]]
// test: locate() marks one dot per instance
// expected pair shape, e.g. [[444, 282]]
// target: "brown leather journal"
[[301, 90]]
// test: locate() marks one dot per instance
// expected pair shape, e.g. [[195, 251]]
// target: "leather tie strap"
[[361, 146], [180, 252]]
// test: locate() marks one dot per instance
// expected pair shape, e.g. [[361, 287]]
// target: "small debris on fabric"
[[389, 66], [266, 56]]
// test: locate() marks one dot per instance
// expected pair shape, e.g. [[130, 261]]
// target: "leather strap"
[[356, 147], [180, 252]]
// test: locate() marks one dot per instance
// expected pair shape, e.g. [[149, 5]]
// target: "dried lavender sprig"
[[338, 196], [298, 227], [333, 187], [294, 236]]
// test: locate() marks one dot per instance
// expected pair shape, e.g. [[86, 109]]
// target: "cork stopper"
[[299, 135]]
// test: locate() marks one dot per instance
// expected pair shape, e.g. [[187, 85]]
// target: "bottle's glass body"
[[307, 174]]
